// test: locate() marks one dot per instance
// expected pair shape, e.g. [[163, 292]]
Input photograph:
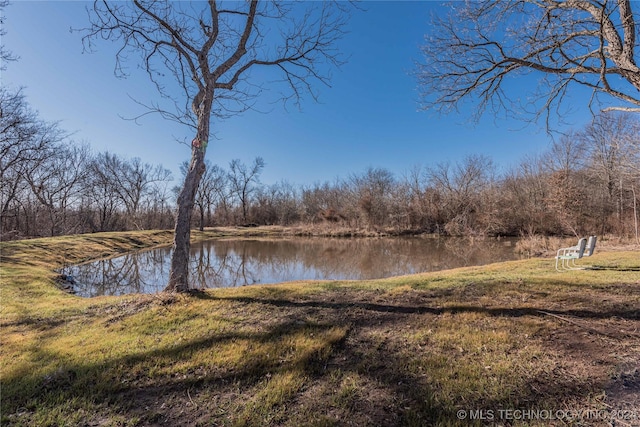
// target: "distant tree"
[[101, 191], [373, 191], [212, 193], [57, 183], [135, 183], [210, 48], [286, 202], [567, 153], [324, 202], [25, 143], [128, 181], [471, 54], [563, 164], [243, 180], [612, 144], [158, 210], [462, 188], [525, 187]]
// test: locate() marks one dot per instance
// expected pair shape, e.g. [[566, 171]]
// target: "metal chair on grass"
[[566, 257], [570, 254], [591, 246]]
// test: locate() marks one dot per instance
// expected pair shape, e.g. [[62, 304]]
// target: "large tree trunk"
[[178, 276], [179, 273]]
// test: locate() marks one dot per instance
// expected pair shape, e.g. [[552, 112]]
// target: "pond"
[[238, 262]]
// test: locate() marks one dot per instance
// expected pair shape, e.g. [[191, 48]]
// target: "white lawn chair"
[[588, 251], [591, 246], [565, 256]]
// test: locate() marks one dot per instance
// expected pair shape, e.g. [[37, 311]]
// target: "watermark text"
[[549, 414]]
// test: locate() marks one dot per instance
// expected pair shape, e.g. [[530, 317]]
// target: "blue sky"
[[369, 117]]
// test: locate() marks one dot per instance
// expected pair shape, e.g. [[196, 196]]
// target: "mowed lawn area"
[[514, 343]]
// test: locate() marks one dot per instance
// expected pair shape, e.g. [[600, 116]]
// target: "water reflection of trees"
[[320, 258], [136, 272], [227, 263], [220, 268]]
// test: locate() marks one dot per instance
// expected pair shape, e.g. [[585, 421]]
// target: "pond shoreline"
[[247, 260], [114, 243]]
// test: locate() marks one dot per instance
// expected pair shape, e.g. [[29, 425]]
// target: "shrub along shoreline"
[[413, 350]]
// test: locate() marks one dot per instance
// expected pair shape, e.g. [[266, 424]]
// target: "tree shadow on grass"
[[610, 268], [630, 313], [124, 382], [386, 391]]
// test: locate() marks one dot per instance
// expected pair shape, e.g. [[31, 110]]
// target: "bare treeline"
[[587, 182], [51, 186]]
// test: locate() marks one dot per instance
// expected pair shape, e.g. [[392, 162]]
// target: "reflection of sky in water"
[[227, 263]]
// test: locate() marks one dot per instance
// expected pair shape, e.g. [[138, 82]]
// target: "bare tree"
[[135, 183], [523, 195], [158, 211], [324, 202], [123, 183], [611, 144], [57, 184], [101, 191], [567, 153], [25, 143], [373, 191], [462, 187], [242, 181], [212, 192], [563, 164], [472, 53], [286, 202], [210, 48]]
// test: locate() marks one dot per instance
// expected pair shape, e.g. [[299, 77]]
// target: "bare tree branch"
[[472, 54], [5, 55]]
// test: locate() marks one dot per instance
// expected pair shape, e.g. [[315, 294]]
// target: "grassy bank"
[[412, 350]]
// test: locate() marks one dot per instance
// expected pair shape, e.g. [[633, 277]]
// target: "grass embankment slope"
[[411, 350]]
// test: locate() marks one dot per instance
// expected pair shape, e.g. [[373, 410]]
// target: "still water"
[[225, 263]]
